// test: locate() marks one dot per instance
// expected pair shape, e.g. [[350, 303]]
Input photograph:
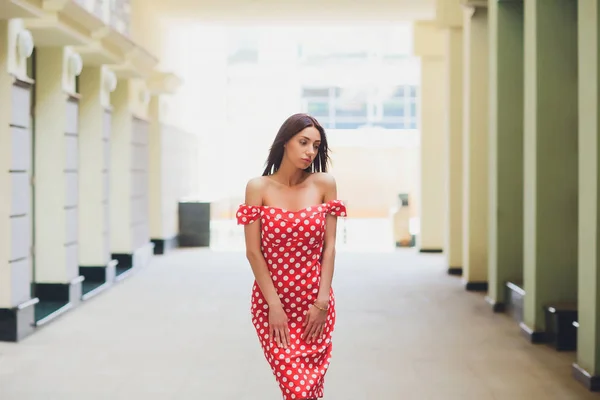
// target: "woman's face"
[[302, 149]]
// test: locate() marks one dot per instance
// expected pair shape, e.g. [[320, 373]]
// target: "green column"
[[506, 148], [550, 165], [588, 335]]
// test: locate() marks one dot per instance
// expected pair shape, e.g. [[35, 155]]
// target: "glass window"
[[413, 109], [349, 124], [393, 109], [399, 92], [318, 108], [352, 108]]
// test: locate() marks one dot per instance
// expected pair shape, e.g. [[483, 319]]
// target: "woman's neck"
[[289, 175]]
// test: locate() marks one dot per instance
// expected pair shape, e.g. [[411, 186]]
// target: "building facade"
[[93, 165]]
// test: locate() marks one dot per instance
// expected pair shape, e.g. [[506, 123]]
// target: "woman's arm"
[[254, 190], [328, 258]]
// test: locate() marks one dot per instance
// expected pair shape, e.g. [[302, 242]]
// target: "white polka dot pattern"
[[292, 244]]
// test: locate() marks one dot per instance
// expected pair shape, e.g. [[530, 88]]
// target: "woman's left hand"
[[314, 323]]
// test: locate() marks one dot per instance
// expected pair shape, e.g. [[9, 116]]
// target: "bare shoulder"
[[257, 183], [326, 185], [325, 180], [255, 189]]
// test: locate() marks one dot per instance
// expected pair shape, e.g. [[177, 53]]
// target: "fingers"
[[319, 332], [287, 338], [282, 336], [315, 332], [307, 329], [277, 337], [306, 325]]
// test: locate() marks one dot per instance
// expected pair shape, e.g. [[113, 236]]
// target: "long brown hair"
[[290, 128]]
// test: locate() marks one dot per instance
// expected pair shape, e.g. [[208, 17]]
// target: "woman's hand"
[[278, 326], [314, 323]]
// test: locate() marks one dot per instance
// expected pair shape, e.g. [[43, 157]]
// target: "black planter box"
[[561, 333], [194, 224]]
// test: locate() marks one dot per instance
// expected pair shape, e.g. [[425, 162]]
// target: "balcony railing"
[[120, 11], [116, 13]]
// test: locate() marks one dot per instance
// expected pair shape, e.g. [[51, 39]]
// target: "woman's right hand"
[[278, 326]]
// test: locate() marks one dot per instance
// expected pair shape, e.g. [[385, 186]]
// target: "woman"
[[291, 251]]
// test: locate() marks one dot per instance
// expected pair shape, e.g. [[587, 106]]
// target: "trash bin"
[[194, 223]]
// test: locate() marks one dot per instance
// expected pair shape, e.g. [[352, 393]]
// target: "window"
[[352, 108], [318, 108], [393, 108]]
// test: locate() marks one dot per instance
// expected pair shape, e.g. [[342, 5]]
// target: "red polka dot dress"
[[292, 245]]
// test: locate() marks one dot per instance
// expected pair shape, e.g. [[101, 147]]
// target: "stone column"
[[429, 47], [475, 148], [168, 167], [449, 17], [506, 149], [95, 262], [130, 237], [551, 159], [156, 182], [16, 234], [587, 367], [57, 278]]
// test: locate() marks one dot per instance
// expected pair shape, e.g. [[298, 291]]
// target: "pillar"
[[449, 17], [166, 163], [96, 83], [173, 153], [475, 148], [156, 182], [505, 213], [57, 279], [17, 307], [129, 210], [429, 47], [550, 159], [587, 367]]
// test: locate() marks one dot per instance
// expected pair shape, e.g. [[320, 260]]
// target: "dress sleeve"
[[247, 214], [336, 208]]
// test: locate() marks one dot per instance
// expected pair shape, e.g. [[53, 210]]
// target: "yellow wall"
[[369, 180]]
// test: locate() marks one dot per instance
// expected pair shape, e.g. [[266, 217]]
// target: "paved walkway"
[[180, 330]]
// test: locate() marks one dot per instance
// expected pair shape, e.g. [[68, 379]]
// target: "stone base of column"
[[591, 382], [19, 322], [131, 262], [497, 306], [56, 299], [535, 337], [476, 286], [163, 246], [455, 271], [97, 278]]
